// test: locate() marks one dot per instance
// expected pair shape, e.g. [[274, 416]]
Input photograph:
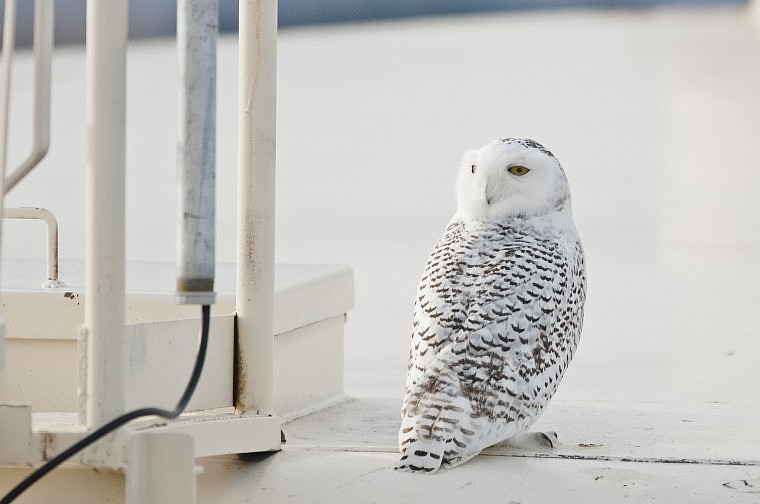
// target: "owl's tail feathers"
[[419, 457], [428, 455]]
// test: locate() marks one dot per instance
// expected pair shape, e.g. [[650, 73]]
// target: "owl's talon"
[[548, 439]]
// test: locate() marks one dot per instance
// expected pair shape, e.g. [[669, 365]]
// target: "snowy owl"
[[499, 308]]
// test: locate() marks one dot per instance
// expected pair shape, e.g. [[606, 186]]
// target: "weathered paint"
[[196, 151], [256, 189], [51, 228]]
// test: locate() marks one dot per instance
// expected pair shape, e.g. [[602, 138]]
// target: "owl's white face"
[[510, 178]]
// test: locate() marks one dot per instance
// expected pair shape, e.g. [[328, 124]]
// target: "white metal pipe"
[[51, 233], [256, 185], [196, 150], [9, 36], [104, 327], [44, 11]]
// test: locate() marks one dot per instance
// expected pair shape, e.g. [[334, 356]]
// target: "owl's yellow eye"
[[518, 170]]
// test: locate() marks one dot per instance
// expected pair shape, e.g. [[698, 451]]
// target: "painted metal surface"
[[256, 189], [163, 352], [223, 432], [9, 28], [31, 438], [196, 151], [161, 468], [318, 291], [103, 332], [44, 14], [308, 363], [28, 360], [9, 35], [17, 443], [308, 366]]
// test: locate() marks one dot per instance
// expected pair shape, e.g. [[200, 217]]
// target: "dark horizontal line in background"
[[149, 18]]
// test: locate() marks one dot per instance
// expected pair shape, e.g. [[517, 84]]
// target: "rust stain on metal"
[[73, 296], [48, 445], [53, 267], [239, 374], [250, 244]]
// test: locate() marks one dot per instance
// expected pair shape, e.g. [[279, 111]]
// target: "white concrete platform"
[[366, 477], [653, 114], [345, 454], [588, 432]]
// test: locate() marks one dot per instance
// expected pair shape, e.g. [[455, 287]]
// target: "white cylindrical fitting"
[[256, 185], [196, 151]]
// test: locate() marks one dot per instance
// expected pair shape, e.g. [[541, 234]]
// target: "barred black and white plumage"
[[499, 308]]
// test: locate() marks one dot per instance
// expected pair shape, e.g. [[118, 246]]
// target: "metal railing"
[[43, 49], [44, 13], [103, 334]]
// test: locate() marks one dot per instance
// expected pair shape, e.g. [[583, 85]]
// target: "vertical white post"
[[196, 150], [103, 331], [256, 184], [9, 40], [9, 36]]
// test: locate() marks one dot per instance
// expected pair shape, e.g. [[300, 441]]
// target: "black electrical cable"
[[126, 417]]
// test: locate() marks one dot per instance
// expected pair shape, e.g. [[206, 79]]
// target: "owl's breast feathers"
[[498, 316]]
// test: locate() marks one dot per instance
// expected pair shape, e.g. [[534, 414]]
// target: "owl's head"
[[512, 177]]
